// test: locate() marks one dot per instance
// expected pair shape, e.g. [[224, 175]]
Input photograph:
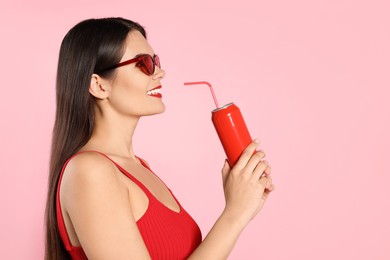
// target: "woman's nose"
[[159, 73]]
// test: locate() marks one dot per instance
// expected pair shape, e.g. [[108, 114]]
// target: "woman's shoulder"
[[89, 168], [89, 161], [143, 161]]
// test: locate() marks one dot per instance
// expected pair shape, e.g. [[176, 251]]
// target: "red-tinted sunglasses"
[[145, 62]]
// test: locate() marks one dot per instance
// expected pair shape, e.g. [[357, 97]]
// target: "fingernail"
[[256, 140]]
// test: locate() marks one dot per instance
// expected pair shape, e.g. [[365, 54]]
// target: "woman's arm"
[[246, 187], [98, 205]]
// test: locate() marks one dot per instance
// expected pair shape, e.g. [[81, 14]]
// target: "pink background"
[[311, 79]]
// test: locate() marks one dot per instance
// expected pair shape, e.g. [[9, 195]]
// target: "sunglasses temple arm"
[[205, 83]]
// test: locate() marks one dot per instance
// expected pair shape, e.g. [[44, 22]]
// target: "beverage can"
[[231, 130]]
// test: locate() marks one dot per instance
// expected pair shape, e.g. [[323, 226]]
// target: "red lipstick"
[[155, 92]]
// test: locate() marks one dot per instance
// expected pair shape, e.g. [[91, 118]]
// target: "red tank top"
[[167, 234]]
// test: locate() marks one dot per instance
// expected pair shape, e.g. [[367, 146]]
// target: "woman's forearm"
[[221, 239]]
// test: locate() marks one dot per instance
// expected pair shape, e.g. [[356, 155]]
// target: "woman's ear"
[[99, 88]]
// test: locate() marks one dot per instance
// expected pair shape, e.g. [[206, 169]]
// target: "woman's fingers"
[[251, 162], [268, 170], [254, 161], [266, 182], [247, 154], [269, 184], [258, 172], [272, 188]]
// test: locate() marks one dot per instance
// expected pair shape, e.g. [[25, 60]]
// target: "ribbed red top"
[[167, 234]]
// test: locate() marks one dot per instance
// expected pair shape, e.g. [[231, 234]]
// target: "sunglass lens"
[[148, 66], [157, 61]]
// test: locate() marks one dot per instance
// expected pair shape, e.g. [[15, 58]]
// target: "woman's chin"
[[157, 111], [162, 108]]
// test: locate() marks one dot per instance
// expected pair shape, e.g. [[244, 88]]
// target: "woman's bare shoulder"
[[88, 169]]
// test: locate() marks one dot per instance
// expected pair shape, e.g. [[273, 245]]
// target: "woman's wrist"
[[234, 220]]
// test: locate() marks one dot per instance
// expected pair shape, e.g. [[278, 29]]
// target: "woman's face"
[[130, 90]]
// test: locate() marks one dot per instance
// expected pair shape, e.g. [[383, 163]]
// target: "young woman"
[[104, 202]]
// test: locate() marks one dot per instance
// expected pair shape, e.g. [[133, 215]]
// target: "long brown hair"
[[88, 47]]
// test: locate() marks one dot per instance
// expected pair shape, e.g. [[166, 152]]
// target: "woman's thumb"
[[225, 172]]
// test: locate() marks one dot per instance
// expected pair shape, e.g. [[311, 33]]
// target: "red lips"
[[155, 92]]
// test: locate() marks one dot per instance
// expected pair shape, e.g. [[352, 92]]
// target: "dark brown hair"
[[88, 47]]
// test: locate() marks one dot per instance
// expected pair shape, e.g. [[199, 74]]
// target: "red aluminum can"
[[232, 131]]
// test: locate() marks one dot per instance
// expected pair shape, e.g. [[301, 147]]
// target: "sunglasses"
[[145, 62]]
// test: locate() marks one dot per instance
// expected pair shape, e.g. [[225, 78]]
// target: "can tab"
[[205, 83]]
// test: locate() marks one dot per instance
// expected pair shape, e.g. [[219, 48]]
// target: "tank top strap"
[[151, 197], [125, 172]]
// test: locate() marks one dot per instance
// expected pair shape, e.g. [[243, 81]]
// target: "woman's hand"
[[246, 188], [247, 185]]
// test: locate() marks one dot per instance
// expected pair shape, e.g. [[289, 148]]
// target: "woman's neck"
[[113, 135]]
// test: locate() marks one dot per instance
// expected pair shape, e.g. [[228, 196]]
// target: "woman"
[[103, 201]]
